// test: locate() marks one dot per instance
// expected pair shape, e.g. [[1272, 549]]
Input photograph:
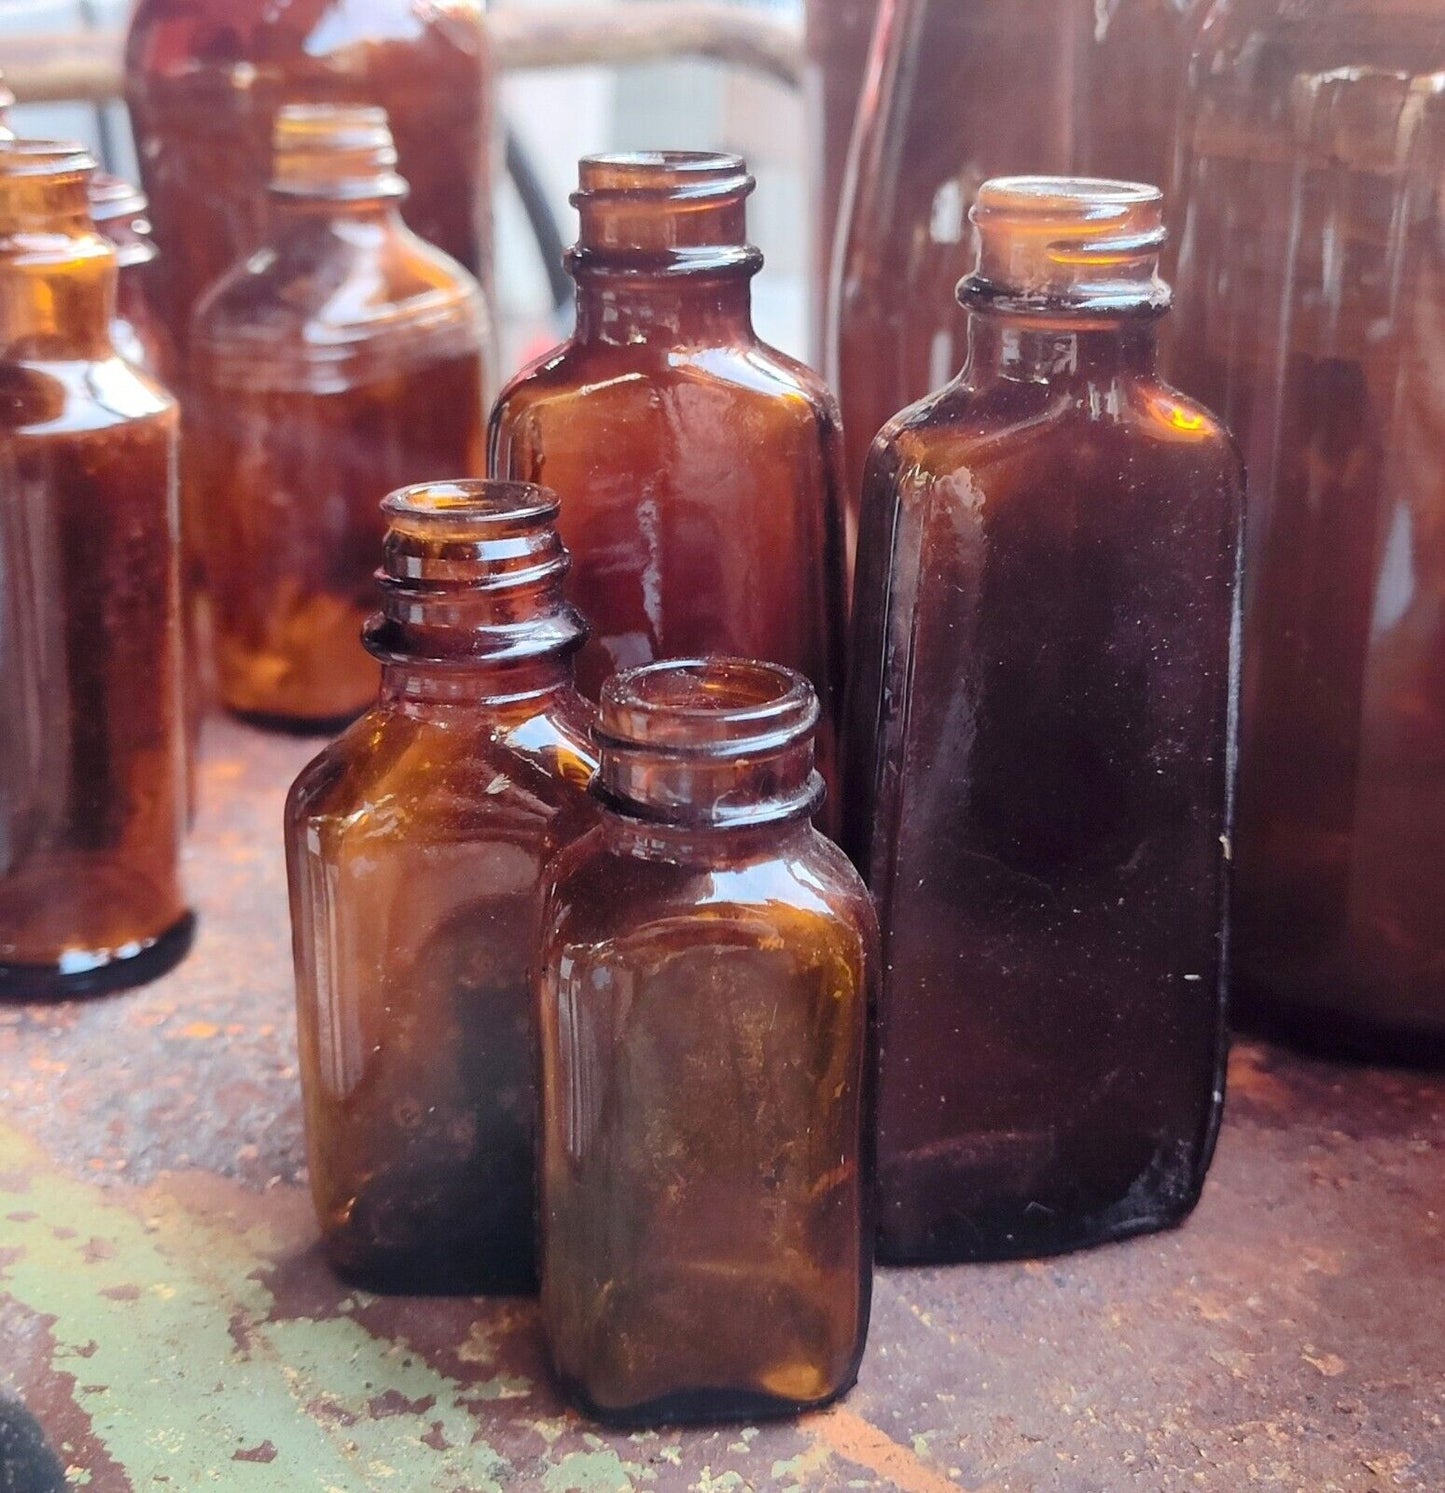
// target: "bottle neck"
[[621, 310], [681, 845], [495, 692], [1009, 348]]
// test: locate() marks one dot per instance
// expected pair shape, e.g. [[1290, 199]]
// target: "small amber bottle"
[[1041, 750], [706, 966], [92, 767], [415, 844], [343, 360], [699, 470], [140, 336], [205, 80]]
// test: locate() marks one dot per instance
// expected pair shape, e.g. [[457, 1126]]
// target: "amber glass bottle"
[[961, 92], [344, 360], [140, 336], [1313, 280], [205, 80], [91, 744], [415, 844], [706, 963], [1040, 750], [700, 471]]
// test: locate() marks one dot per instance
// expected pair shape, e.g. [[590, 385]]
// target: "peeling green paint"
[[598, 1471], [182, 1369]]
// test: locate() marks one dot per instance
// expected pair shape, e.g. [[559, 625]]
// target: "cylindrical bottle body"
[[92, 746], [968, 91], [1311, 277], [205, 80], [704, 1006], [1041, 751], [414, 926], [282, 485]]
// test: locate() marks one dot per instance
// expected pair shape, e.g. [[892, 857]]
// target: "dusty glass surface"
[[1312, 277], [1040, 751], [706, 971], [415, 844], [91, 742]]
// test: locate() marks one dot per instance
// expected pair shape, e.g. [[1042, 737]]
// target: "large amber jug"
[[1312, 299], [206, 78]]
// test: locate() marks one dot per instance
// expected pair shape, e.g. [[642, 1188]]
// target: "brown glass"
[[120, 213], [707, 962], [415, 844], [346, 360], [838, 37], [1312, 284], [699, 469], [205, 80], [1040, 751], [965, 91], [91, 744]]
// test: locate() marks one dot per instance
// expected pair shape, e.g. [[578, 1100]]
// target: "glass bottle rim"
[[471, 501]]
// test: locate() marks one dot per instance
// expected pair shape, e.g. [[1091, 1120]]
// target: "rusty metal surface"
[[165, 1315]]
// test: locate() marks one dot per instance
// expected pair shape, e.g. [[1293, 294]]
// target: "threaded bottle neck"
[[714, 743], [472, 579], [334, 153], [1071, 246], [120, 212]]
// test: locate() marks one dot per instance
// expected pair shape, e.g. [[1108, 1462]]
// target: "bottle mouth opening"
[[470, 502], [52, 159], [713, 707], [661, 175]]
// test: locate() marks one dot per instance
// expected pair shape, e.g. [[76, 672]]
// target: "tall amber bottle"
[[121, 215], [205, 80], [91, 743], [707, 962], [960, 92], [344, 360], [1040, 750], [415, 844], [699, 470], [1312, 276]]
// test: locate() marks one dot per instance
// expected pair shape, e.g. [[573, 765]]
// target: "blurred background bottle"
[[347, 360], [1312, 317], [206, 78]]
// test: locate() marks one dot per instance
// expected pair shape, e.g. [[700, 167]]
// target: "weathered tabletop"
[[165, 1315]]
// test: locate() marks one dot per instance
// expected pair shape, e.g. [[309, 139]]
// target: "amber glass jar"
[[344, 360], [1040, 750], [1313, 280], [205, 80], [415, 844], [964, 91], [700, 470], [838, 37], [120, 213], [706, 967], [91, 744]]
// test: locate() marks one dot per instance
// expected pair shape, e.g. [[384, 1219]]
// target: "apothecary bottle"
[[1311, 273], [205, 80], [121, 215], [344, 359], [707, 961], [1040, 750], [415, 844], [92, 765], [960, 92], [699, 469]]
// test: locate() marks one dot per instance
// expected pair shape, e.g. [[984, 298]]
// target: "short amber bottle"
[[343, 360], [92, 766], [1040, 751], [415, 844], [706, 968], [205, 80], [699, 470], [121, 215]]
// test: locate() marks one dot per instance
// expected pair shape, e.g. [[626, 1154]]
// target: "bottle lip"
[[54, 159], [661, 175], [472, 502], [334, 133]]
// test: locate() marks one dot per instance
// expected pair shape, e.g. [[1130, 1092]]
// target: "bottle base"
[[698, 1407], [411, 1275], [33, 982]]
